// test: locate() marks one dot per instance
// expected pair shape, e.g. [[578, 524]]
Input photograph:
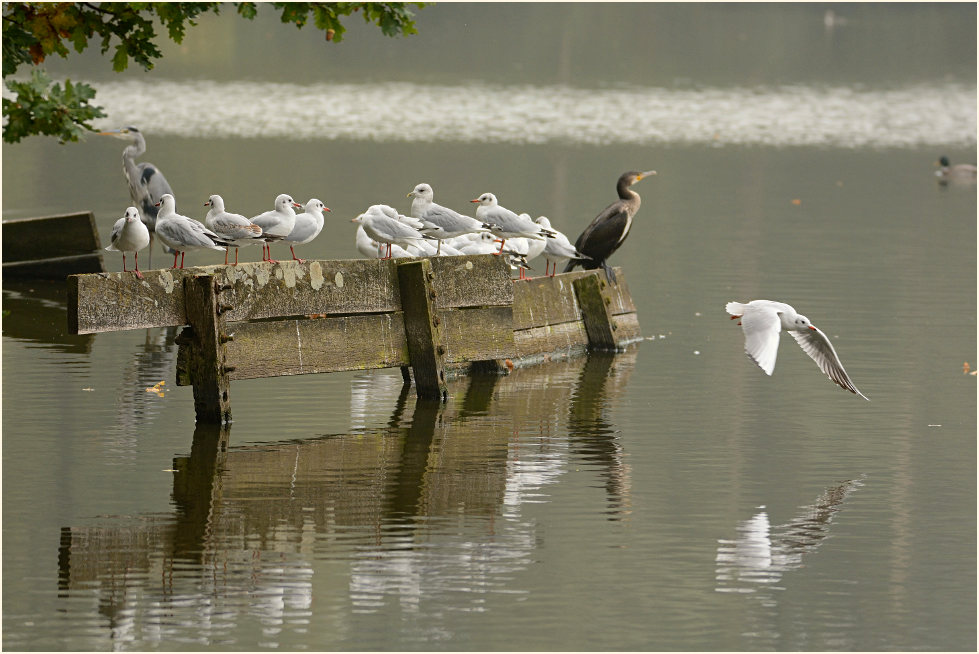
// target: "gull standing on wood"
[[146, 183], [181, 233], [557, 250], [529, 248], [442, 222], [277, 223], [385, 229], [762, 320], [233, 226], [608, 230], [129, 234], [308, 225], [506, 224]]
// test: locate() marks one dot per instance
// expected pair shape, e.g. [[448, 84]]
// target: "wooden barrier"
[[259, 320], [52, 247]]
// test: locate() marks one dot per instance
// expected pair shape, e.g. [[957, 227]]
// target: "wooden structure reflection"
[[238, 511]]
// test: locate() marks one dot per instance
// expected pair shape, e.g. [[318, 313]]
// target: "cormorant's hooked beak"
[[645, 174]]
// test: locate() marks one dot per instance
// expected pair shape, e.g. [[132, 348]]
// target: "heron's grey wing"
[[761, 335], [116, 232], [815, 343], [152, 186]]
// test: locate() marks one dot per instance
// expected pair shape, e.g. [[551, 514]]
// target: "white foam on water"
[[839, 117]]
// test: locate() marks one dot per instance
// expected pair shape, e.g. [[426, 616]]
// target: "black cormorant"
[[609, 228]]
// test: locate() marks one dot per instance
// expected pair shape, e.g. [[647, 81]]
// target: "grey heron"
[[146, 183]]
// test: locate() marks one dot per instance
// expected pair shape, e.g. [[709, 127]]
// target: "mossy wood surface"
[[117, 301], [207, 362], [423, 328]]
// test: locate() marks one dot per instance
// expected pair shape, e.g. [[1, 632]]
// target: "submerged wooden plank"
[[54, 268], [303, 346], [50, 236]]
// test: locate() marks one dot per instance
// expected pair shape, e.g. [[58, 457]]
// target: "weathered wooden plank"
[[116, 301], [551, 300], [290, 288], [477, 334], [426, 347], [551, 338], [304, 346], [50, 236], [54, 268], [545, 301], [593, 298], [479, 280], [207, 365], [627, 329]]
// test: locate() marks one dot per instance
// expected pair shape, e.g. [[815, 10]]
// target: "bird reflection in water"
[[760, 554], [593, 437]]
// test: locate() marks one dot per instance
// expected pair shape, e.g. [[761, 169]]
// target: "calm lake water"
[[670, 497]]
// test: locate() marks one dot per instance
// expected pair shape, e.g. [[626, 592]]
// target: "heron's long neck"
[[129, 155]]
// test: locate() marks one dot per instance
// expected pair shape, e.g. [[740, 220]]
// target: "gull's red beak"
[[812, 328]]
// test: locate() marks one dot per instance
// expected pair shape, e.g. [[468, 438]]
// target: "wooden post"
[[426, 347], [206, 361], [595, 301]]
